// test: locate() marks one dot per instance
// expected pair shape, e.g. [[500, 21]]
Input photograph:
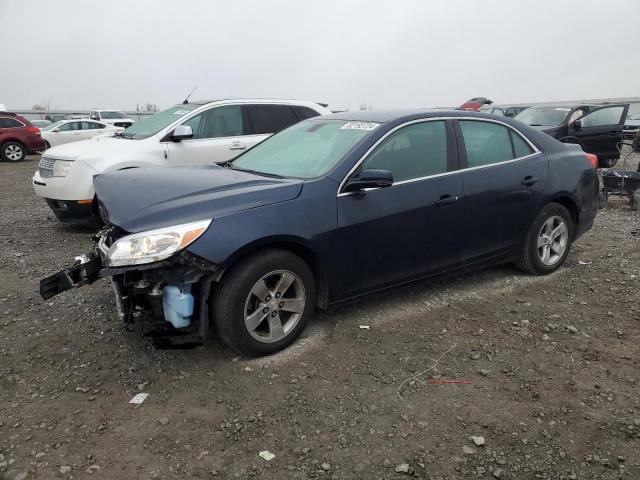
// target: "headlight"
[[154, 245], [61, 168]]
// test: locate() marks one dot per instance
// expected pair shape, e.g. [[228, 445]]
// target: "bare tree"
[[42, 106], [148, 107]]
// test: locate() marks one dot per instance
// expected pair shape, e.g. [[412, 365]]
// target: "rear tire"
[[548, 241], [607, 162], [13, 152], [264, 302]]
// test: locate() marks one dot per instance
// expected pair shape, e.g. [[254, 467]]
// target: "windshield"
[[153, 124], [53, 125], [112, 115], [305, 150], [543, 116]]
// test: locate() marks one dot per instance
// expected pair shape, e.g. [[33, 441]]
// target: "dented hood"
[[146, 198]]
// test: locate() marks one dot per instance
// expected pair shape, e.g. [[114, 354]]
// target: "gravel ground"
[[549, 372]]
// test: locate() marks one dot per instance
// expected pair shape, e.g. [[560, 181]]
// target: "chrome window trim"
[[535, 149], [22, 125]]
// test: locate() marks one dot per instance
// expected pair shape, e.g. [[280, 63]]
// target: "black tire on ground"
[[47, 145], [13, 152], [231, 296], [529, 260], [607, 162]]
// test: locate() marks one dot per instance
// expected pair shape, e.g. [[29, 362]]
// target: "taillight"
[[592, 159], [34, 130]]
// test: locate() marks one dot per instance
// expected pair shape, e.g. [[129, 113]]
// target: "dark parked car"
[[18, 137], [596, 128], [331, 209]]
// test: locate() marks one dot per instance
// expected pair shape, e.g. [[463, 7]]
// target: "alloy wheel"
[[274, 306], [552, 240], [13, 152]]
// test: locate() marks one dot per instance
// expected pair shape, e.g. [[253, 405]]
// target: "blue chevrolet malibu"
[[330, 210]]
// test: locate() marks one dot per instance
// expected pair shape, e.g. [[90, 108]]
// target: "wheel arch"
[[570, 204], [296, 245]]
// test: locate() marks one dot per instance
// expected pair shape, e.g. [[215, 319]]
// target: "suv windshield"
[[153, 124], [112, 115], [306, 150], [543, 116]]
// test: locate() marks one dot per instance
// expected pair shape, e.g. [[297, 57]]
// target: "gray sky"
[[115, 54]]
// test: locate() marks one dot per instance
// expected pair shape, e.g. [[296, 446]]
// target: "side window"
[[415, 151], [271, 118], [604, 116], [94, 116], [9, 123], [67, 127], [305, 112], [217, 122], [520, 147], [485, 142], [88, 125]]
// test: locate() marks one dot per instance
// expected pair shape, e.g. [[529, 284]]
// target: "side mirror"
[[182, 132], [577, 124], [369, 179], [56, 129]]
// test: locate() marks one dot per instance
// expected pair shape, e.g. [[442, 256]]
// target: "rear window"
[[271, 118], [305, 112]]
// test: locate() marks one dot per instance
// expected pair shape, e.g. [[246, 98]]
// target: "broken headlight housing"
[[154, 245]]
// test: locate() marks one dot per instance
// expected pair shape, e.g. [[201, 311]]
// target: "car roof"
[[384, 116], [252, 100]]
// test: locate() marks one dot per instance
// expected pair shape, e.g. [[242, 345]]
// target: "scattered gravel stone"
[[467, 450], [497, 472], [65, 469], [266, 455], [483, 372], [164, 421], [325, 466], [571, 329], [402, 468], [479, 441]]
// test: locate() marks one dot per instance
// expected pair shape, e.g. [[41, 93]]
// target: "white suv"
[[112, 117], [197, 133]]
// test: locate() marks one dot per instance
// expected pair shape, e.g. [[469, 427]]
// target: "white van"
[[195, 133]]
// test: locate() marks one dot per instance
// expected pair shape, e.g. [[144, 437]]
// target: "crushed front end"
[[175, 289]]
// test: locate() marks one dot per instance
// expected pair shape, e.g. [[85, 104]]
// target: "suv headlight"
[[61, 168], [154, 245]]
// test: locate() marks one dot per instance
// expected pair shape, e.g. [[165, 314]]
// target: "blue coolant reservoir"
[[177, 304]]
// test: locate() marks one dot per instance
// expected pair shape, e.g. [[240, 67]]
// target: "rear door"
[[601, 130], [503, 181], [403, 231], [219, 134], [267, 119]]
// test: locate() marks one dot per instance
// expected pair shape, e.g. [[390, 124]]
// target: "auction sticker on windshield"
[[359, 126]]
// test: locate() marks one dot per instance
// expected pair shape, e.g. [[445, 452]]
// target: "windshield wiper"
[[255, 172]]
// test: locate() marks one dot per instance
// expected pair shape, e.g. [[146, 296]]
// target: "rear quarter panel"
[[572, 177]]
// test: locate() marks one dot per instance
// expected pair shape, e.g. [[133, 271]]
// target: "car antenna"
[[186, 100]]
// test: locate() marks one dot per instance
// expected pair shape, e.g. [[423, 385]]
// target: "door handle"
[[446, 200], [237, 146], [529, 180], [614, 133]]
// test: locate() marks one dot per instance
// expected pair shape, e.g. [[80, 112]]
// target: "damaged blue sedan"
[[330, 210]]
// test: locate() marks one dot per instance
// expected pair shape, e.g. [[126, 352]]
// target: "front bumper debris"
[[84, 271], [175, 290]]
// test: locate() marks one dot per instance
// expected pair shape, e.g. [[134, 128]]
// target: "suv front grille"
[[46, 167]]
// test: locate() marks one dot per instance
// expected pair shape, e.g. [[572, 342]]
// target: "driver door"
[[411, 228], [219, 134], [601, 130]]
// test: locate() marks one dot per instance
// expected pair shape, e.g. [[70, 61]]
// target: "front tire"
[[13, 152], [264, 302], [548, 241]]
